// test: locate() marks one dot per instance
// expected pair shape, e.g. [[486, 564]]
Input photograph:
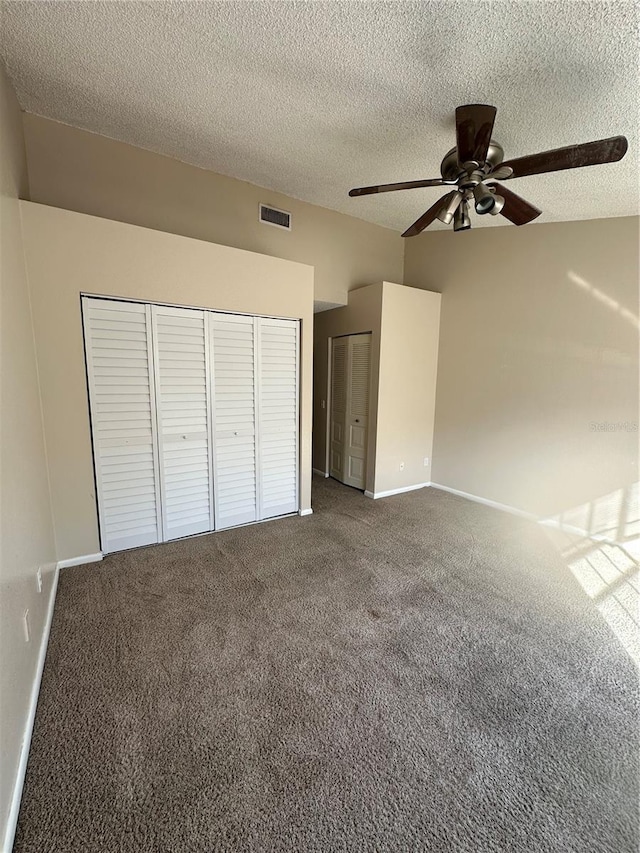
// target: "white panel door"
[[122, 398], [357, 411], [339, 362], [180, 347], [350, 380], [277, 383], [233, 348]]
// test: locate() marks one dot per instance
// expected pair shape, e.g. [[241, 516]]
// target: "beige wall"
[[81, 171], [407, 391], [404, 324], [26, 535], [539, 342], [69, 253]]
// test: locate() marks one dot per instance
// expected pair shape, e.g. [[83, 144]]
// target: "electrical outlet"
[[26, 627], [39, 579], [324, 404], [402, 466], [426, 461]]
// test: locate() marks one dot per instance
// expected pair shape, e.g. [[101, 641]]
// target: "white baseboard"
[[305, 511], [494, 504], [389, 492], [80, 561], [14, 809], [320, 473], [553, 523], [556, 524]]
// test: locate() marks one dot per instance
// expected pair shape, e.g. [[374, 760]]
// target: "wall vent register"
[[273, 216], [194, 419]]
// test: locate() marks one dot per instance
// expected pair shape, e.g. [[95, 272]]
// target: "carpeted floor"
[[419, 673]]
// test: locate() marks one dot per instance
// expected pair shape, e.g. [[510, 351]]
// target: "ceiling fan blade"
[[474, 125], [516, 209], [427, 217], [405, 185], [572, 157]]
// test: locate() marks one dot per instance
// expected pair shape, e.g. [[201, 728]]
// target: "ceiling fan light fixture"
[[461, 219], [485, 199], [497, 207], [449, 208]]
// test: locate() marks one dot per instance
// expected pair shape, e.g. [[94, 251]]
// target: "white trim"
[[320, 473], [389, 492], [14, 808], [79, 561], [305, 511], [553, 523], [494, 504]]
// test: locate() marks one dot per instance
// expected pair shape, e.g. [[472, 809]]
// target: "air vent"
[[273, 216]]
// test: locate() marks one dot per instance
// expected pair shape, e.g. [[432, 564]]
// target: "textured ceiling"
[[312, 98]]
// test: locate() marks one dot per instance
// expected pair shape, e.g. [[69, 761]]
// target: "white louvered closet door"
[[180, 346], [122, 397], [233, 351], [277, 416]]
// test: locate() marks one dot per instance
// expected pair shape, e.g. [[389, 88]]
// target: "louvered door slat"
[[121, 392], [182, 378], [360, 358], [233, 379], [278, 416]]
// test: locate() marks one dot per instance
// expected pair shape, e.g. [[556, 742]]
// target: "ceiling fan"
[[477, 161]]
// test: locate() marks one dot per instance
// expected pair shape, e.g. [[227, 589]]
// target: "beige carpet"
[[419, 673]]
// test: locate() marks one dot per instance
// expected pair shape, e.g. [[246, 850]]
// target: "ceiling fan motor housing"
[[451, 170]]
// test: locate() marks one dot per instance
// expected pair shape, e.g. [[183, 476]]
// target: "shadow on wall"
[[600, 542]]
